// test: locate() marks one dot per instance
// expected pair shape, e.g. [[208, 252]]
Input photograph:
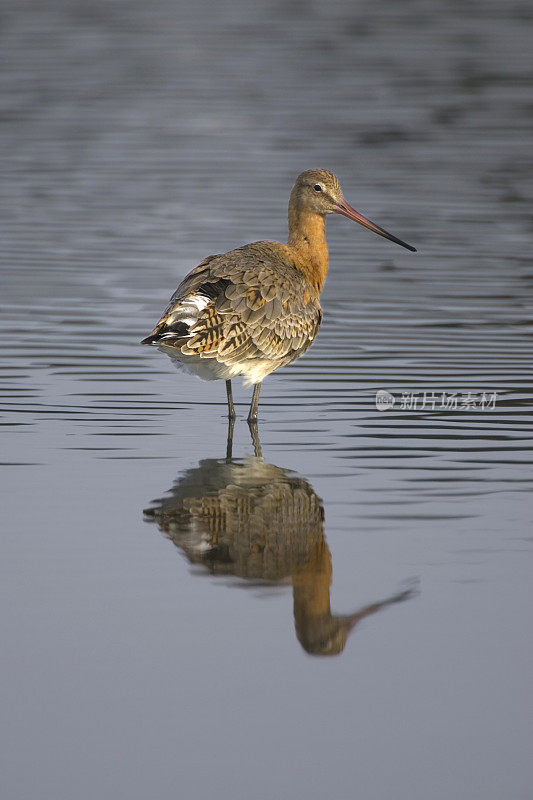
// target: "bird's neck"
[[307, 241], [310, 585]]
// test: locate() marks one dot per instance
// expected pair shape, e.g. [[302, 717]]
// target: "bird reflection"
[[261, 523]]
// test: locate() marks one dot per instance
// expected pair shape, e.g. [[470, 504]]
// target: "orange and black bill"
[[347, 211]]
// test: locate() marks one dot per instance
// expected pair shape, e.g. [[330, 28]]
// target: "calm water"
[[166, 611]]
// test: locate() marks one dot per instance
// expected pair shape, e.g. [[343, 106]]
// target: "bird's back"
[[248, 311]]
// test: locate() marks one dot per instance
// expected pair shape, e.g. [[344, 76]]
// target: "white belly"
[[209, 369]]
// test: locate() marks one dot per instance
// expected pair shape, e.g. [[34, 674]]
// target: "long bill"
[[347, 211]]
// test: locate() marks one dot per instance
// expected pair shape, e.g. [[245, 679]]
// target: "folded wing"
[[241, 308]]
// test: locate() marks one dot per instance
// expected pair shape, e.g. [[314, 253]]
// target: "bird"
[[255, 309], [262, 524]]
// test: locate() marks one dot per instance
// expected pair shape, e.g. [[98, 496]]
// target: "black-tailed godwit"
[[255, 309], [262, 523]]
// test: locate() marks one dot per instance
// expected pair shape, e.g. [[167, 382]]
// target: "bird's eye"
[[317, 187]]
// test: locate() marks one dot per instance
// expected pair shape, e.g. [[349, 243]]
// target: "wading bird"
[[262, 524], [255, 309]]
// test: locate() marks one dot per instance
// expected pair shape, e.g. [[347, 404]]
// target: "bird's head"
[[318, 191]]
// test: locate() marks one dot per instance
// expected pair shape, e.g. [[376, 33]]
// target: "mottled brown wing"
[[176, 320], [251, 304]]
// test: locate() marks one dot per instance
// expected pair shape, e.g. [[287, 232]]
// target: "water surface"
[[166, 612]]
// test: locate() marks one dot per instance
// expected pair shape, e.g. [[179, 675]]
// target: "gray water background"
[[137, 138]]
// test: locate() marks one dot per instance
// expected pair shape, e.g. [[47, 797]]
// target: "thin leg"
[[254, 432], [229, 443], [231, 408], [252, 416]]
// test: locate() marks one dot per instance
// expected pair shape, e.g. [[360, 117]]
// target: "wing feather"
[[248, 305]]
